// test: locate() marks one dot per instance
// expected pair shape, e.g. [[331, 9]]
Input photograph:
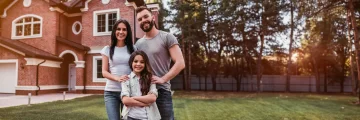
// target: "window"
[[104, 20], [27, 26], [76, 28], [97, 72]]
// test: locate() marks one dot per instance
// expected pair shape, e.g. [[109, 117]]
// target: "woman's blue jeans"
[[112, 104]]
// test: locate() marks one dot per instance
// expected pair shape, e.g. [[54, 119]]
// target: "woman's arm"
[[107, 74]]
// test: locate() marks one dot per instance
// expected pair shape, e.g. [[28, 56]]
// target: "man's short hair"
[[141, 8]]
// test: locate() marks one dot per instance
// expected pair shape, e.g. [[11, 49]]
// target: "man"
[[161, 47]]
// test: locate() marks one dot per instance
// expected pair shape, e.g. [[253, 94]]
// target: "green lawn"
[[207, 106]]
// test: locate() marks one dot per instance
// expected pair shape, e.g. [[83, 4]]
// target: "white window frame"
[[74, 28], [95, 19], [94, 76], [105, 2], [14, 24]]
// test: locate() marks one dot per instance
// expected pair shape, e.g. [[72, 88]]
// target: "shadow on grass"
[[197, 105], [86, 108], [206, 106]]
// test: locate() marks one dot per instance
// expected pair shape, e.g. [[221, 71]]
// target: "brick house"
[[49, 46]]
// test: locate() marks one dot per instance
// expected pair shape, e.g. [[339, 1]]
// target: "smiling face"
[[138, 64], [146, 20], [121, 32]]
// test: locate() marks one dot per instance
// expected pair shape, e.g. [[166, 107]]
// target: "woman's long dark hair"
[[128, 40], [146, 73]]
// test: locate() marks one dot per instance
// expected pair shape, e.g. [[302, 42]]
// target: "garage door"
[[7, 77]]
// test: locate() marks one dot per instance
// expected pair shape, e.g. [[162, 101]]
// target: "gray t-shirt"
[[157, 49], [118, 66]]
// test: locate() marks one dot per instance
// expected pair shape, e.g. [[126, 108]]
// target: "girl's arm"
[[147, 99], [150, 97], [107, 74], [128, 101], [125, 96]]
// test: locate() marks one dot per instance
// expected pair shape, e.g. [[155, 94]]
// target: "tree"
[[356, 39], [267, 18]]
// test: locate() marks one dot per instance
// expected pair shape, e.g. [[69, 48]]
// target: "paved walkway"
[[9, 100]]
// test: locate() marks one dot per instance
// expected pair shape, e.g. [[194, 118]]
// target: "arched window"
[[27, 26]]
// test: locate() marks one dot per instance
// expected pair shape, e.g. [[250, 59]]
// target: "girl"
[[116, 57], [138, 93]]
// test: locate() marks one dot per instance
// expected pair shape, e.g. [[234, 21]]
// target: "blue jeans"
[[165, 105], [112, 104]]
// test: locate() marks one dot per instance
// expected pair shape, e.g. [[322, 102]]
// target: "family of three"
[[138, 75]]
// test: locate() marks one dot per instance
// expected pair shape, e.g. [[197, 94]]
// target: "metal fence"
[[270, 83]]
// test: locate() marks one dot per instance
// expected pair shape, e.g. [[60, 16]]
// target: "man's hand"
[[157, 80], [122, 78]]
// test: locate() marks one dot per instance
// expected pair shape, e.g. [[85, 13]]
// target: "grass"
[[207, 106], [86, 108], [263, 106]]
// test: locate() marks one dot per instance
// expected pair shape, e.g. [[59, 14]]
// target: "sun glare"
[[294, 57]]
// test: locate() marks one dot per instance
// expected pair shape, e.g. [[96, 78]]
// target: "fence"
[[270, 83]]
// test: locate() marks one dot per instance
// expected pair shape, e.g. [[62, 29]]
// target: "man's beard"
[[151, 24]]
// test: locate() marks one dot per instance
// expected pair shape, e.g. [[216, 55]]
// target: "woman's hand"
[[122, 78]]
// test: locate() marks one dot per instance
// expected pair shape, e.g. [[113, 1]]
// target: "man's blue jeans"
[[112, 104], [165, 105]]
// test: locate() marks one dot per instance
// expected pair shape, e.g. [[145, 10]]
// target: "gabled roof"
[[27, 50], [71, 6], [72, 44]]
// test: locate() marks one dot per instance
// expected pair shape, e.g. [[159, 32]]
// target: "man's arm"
[[179, 65]]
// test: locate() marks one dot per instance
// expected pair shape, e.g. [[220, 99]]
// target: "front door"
[[72, 77]]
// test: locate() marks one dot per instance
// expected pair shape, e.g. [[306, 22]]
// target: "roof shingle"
[[28, 50]]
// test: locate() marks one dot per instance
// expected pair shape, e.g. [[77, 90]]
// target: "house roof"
[[72, 6], [28, 50], [72, 44], [69, 6]]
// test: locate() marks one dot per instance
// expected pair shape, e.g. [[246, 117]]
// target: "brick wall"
[[26, 74], [62, 24], [50, 76], [70, 35], [126, 12], [89, 71], [49, 27], [62, 47]]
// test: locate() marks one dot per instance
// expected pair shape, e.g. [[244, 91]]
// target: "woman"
[[115, 66]]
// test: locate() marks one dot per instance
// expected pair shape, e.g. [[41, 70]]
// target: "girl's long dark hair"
[[146, 73], [128, 40]]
